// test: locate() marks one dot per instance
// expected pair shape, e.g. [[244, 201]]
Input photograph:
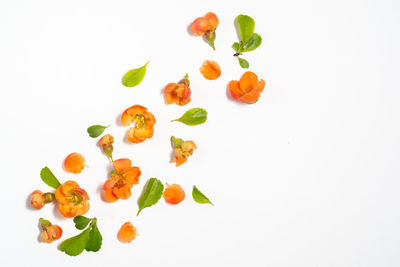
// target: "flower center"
[[75, 198], [139, 119]]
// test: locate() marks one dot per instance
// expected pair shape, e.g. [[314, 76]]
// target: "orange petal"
[[234, 90], [132, 175], [210, 70], [74, 163], [248, 81], [127, 233], [212, 20], [199, 26], [123, 192], [122, 165], [174, 194], [110, 183], [109, 195], [180, 161], [170, 93]]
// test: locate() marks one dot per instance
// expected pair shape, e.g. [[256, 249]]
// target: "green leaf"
[[236, 46], [151, 194], [81, 222], [95, 239], [199, 197], [96, 130], [135, 76], [49, 178], [252, 43], [177, 142], [194, 116], [75, 245], [243, 63], [246, 27]]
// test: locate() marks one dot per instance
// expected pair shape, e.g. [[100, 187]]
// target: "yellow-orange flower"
[[247, 89], [72, 199], [144, 120], [178, 93], [120, 184]]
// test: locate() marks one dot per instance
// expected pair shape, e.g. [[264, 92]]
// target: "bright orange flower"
[[38, 199], [74, 163], [178, 93], [247, 89], [123, 178], [210, 70], [50, 232], [206, 26], [72, 199], [183, 149], [174, 194], [127, 233], [144, 127]]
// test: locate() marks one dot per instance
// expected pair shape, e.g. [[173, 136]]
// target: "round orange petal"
[[127, 233], [74, 163], [174, 194], [109, 195], [122, 165], [210, 70]]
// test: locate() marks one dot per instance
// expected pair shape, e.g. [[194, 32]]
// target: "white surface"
[[308, 176]]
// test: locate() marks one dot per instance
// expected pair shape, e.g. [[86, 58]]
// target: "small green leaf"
[[243, 63], [252, 43], [151, 194], [236, 46], [194, 116], [81, 222], [96, 130], [49, 178], [177, 142], [246, 27], [199, 197], [75, 245], [95, 239], [135, 76]]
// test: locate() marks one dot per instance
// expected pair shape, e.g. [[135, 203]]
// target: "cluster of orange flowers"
[[72, 200]]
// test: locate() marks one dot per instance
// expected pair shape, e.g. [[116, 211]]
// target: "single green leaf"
[[135, 76], [199, 197], [49, 178], [96, 130], [151, 194], [194, 116], [81, 222], [236, 46], [177, 142], [95, 239], [243, 63], [75, 245], [252, 43], [246, 27]]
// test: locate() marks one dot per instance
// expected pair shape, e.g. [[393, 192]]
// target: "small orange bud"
[[50, 232], [37, 200]]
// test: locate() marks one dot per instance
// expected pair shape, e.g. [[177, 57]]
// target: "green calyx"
[[210, 37]]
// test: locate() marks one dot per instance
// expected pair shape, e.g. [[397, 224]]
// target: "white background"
[[308, 176]]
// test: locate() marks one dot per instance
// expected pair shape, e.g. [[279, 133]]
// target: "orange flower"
[[72, 199], [144, 123], [123, 178], [247, 89], [127, 233], [183, 149], [206, 26], [174, 194], [178, 93], [50, 232], [38, 199], [106, 143], [74, 163], [210, 70]]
